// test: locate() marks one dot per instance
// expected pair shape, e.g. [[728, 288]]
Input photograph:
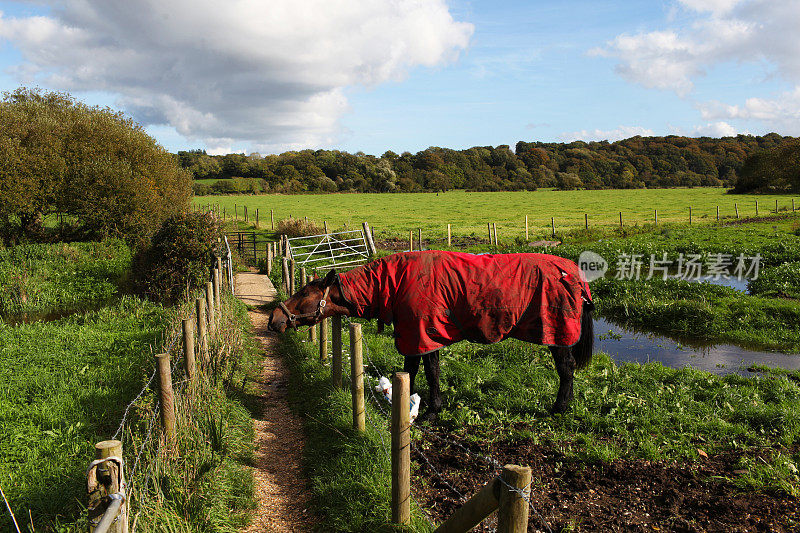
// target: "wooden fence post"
[[690, 215], [449, 235], [166, 396], [368, 236], [357, 377], [104, 483], [222, 277], [410, 240], [336, 350], [419, 238], [292, 277], [489, 226], [494, 227], [776, 206], [285, 274], [620, 219], [188, 351], [717, 213], [474, 511], [401, 449], [246, 219], [756, 207], [235, 212], [512, 515], [323, 339], [217, 279], [257, 218], [553, 225], [211, 315], [202, 330], [303, 277], [526, 229], [655, 216], [325, 227], [586, 221], [792, 205], [736, 207]]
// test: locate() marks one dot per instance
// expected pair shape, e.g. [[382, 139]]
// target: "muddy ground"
[[621, 496]]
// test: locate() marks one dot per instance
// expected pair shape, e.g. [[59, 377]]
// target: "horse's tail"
[[582, 351]]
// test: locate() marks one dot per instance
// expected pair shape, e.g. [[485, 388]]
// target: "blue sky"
[[377, 75]]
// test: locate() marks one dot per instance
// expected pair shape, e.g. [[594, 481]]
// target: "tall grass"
[[48, 278]]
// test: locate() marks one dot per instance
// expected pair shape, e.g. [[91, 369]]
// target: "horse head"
[[307, 306]]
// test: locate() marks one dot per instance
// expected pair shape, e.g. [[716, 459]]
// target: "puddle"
[[630, 346]]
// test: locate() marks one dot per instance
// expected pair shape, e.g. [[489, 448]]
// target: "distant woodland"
[[743, 162]]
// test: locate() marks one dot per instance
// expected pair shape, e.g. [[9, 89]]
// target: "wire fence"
[[494, 465]]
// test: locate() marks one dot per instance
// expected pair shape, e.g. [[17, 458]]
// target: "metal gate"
[[329, 250]]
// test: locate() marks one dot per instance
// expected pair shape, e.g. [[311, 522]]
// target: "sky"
[[269, 76]]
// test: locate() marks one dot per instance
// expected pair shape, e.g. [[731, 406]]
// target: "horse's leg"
[[431, 363], [411, 365], [565, 366]]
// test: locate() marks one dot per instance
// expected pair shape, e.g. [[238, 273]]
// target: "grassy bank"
[[66, 385], [468, 212]]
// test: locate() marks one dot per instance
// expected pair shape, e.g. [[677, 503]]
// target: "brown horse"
[[437, 298]]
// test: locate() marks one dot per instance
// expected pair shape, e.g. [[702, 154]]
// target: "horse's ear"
[[330, 279]]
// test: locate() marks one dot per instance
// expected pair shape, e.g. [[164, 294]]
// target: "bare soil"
[[621, 496], [281, 490]]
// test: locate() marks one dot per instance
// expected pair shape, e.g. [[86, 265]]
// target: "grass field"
[[468, 212]]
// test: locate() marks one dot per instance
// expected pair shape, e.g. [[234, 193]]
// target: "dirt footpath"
[[281, 489]]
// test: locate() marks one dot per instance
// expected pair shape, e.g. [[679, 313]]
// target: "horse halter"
[[316, 314]]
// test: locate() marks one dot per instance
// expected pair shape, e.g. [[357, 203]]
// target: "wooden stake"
[[303, 277], [512, 514], [449, 241], [553, 225], [323, 339], [690, 215], [292, 276], [166, 396], [104, 482], [368, 236], [285, 273], [756, 207], [620, 219], [419, 238], [474, 511], [336, 350], [736, 207], [257, 217], [271, 219], [586, 221], [494, 227], [215, 282], [717, 213], [210, 304], [526, 229], [357, 378], [401, 449], [202, 329], [489, 225], [776, 205], [792, 205], [325, 226], [188, 351], [410, 240]]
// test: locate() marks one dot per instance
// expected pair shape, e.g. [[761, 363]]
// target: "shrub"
[[295, 227], [97, 166], [179, 258], [201, 189]]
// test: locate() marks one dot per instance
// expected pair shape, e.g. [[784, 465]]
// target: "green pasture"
[[469, 212]]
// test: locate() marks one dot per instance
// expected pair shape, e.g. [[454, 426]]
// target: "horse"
[[437, 298]]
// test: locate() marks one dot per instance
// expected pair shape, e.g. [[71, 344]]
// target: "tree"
[[95, 165], [774, 170]]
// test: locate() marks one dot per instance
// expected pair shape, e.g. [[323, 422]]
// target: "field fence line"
[[495, 466]]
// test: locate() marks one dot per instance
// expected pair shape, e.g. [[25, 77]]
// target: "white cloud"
[[264, 72], [760, 32], [715, 129], [622, 132]]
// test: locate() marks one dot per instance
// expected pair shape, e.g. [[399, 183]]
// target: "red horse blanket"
[[437, 298]]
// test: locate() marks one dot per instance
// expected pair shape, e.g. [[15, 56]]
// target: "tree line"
[[637, 162]]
